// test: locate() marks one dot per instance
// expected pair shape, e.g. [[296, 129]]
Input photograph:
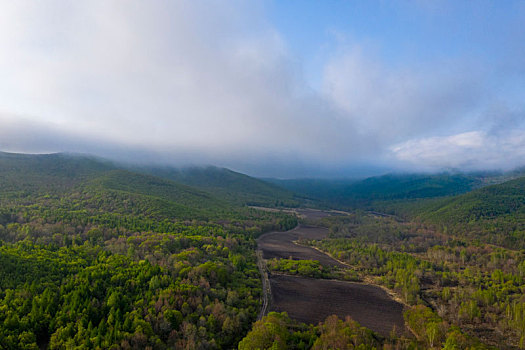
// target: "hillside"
[[229, 185], [97, 256], [38, 177], [390, 187], [94, 256], [48, 172], [55, 173], [495, 214], [492, 214], [161, 190], [62, 187], [366, 193], [314, 190]]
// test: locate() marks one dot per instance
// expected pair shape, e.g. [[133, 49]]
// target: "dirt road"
[[267, 291]]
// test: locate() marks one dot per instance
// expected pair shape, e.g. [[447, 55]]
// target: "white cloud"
[[213, 81], [211, 77], [474, 150], [392, 104]]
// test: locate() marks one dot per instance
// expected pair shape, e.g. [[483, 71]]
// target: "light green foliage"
[[269, 333], [493, 214], [278, 331], [96, 257], [471, 285], [310, 268], [348, 334]]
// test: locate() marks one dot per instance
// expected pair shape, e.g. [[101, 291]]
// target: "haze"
[[270, 88]]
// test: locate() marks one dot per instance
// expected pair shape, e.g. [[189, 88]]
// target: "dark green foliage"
[[123, 180], [493, 214], [227, 184], [367, 193], [390, 187], [23, 175], [315, 190], [484, 203]]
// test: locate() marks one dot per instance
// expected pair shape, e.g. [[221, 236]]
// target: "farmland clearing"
[[311, 300]]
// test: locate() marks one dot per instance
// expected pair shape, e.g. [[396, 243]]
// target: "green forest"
[[94, 255], [465, 285], [97, 257]]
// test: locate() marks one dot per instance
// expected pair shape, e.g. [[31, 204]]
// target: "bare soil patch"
[[312, 300], [281, 245]]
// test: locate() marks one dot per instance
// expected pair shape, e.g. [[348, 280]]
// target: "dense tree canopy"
[[97, 257]]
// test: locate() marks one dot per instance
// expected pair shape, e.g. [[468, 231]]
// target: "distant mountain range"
[[59, 172], [193, 187]]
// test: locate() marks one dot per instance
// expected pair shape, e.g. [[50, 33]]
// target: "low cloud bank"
[[193, 82]]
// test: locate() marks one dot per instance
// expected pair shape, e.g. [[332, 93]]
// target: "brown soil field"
[[312, 300], [281, 245]]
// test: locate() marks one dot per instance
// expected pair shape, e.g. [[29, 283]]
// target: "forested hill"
[[48, 172], [84, 180], [494, 213], [96, 257], [364, 193], [457, 204], [389, 187], [152, 188], [188, 186], [229, 185]]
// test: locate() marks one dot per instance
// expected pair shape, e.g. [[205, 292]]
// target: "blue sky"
[[402, 33], [271, 88]]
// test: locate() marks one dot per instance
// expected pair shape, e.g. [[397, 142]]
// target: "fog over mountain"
[[266, 88]]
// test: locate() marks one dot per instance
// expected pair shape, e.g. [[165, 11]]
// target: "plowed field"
[[312, 300], [281, 245]]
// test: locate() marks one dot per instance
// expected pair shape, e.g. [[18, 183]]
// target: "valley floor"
[[311, 300]]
